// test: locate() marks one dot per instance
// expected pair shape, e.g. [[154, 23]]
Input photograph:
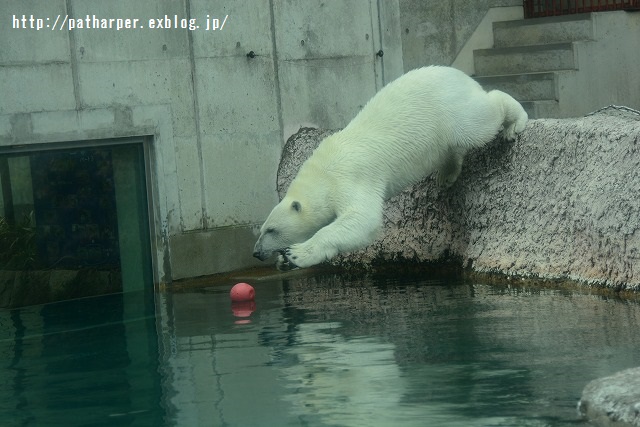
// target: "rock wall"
[[613, 401], [561, 202]]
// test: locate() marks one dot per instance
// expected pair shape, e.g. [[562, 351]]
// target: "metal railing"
[[539, 8]]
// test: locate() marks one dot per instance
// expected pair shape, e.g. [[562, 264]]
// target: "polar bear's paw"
[[509, 133], [284, 264], [446, 180], [513, 129], [298, 256], [304, 255]]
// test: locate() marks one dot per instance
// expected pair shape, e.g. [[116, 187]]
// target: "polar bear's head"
[[288, 223]]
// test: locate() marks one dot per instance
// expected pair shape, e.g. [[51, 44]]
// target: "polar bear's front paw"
[[283, 263], [509, 133], [512, 130], [302, 255], [445, 181]]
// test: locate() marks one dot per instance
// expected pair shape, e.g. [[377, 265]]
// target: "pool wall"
[[559, 203]]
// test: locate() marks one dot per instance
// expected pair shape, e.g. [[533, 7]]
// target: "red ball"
[[242, 292]]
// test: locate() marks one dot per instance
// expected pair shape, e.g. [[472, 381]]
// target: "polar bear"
[[421, 123]]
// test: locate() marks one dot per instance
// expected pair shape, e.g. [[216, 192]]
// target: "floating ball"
[[242, 292]]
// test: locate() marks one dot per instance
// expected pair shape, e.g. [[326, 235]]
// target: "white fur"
[[421, 123]]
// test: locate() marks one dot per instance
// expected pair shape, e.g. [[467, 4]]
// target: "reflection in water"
[[324, 351], [342, 381], [89, 362], [332, 351]]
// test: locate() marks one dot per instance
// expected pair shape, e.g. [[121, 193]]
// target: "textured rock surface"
[[614, 400], [560, 202]]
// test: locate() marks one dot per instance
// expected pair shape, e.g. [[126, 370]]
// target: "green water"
[[323, 351]]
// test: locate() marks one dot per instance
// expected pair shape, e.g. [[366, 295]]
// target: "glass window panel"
[[73, 223]]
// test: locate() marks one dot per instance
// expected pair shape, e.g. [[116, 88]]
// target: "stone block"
[[54, 90], [613, 401], [203, 253], [29, 45]]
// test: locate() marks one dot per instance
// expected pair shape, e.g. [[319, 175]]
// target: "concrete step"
[[523, 87], [524, 59], [541, 109], [551, 30]]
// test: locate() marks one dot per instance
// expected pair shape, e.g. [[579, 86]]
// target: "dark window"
[[73, 222]]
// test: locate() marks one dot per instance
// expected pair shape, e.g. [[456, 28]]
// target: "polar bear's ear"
[[295, 205]]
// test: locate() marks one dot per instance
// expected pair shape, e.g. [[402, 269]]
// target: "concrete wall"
[[434, 32], [217, 118], [483, 36], [607, 67], [564, 66]]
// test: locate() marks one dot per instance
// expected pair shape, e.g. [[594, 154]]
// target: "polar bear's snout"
[[258, 252], [262, 256], [264, 251], [285, 226]]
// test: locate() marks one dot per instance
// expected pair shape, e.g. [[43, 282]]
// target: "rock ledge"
[[613, 401], [559, 203]]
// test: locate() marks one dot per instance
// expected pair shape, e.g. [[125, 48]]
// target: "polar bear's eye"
[[270, 230]]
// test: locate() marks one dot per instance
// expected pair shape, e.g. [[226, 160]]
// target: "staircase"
[[528, 58]]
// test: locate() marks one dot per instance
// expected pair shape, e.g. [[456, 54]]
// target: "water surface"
[[330, 350]]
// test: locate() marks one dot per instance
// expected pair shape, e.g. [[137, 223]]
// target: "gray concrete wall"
[[559, 203], [564, 66], [434, 32], [588, 66], [217, 118], [607, 67]]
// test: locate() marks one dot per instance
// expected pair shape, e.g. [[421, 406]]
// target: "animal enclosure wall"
[[215, 117]]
